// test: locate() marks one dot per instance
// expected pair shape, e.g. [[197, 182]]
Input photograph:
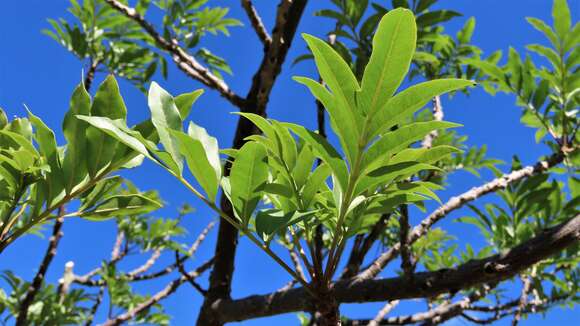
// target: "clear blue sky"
[[37, 71]]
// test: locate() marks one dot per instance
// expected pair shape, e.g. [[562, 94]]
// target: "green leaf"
[[201, 153], [342, 121], [119, 131], [544, 29], [121, 206], [324, 150], [248, 174], [436, 17], [314, 183], [103, 188], [271, 221], [465, 34], [407, 102], [49, 149], [74, 165], [101, 148], [548, 53], [185, 101], [561, 16], [337, 74], [394, 141], [387, 174], [165, 117], [393, 47]]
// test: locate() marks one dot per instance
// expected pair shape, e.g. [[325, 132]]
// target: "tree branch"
[[457, 202], [184, 61], [169, 289], [287, 19], [87, 280], [425, 284], [36, 283], [256, 22], [437, 116], [358, 253], [406, 263]]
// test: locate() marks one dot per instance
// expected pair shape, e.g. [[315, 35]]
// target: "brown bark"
[[425, 284], [287, 19]]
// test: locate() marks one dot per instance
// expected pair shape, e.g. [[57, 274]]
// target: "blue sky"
[[38, 72]]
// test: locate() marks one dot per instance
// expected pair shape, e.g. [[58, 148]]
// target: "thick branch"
[[425, 284], [256, 22], [184, 61], [287, 19], [457, 202], [169, 289], [36, 283]]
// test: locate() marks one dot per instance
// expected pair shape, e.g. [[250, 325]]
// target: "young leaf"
[[248, 174], [393, 48], [336, 74], [49, 149], [202, 157], [74, 165], [165, 117], [324, 150], [101, 148], [342, 121], [395, 141], [185, 101], [561, 16], [407, 102], [121, 205], [270, 221]]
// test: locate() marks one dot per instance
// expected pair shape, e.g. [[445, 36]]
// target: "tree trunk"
[[327, 310]]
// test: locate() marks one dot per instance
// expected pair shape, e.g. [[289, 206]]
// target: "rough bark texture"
[[287, 19], [425, 284]]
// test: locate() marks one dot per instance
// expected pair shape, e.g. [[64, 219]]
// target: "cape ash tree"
[[334, 207]]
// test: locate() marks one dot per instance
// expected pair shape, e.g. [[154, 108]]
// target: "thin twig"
[[164, 293], [36, 283], [383, 312], [256, 22], [184, 61], [95, 306]]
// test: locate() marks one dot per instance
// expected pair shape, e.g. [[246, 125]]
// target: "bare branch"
[[184, 61], [425, 284], [95, 306], [437, 116], [147, 265], [383, 312], [36, 283], [169, 289], [179, 262], [457, 202], [256, 22], [527, 285], [88, 281]]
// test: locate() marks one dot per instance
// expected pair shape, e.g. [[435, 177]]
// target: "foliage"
[[549, 94], [39, 177], [107, 38], [386, 156]]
